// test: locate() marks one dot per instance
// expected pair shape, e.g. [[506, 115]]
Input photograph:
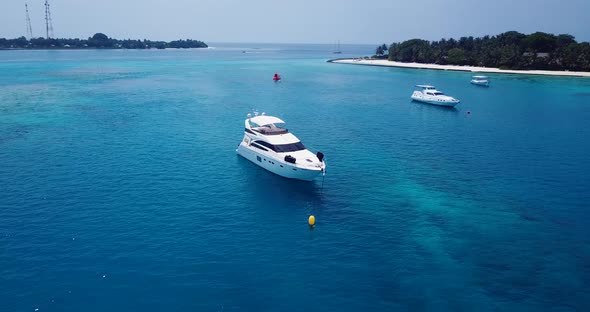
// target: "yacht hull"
[[480, 83], [435, 102], [277, 166]]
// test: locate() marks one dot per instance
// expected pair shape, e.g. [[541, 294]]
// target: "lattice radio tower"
[[29, 28], [48, 23]]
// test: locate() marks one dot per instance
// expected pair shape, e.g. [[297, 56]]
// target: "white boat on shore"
[[428, 94], [480, 81], [271, 146]]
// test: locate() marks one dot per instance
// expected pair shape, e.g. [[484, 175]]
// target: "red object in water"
[[276, 77]]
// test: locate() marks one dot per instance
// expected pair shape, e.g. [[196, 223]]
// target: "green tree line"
[[509, 50], [98, 41]]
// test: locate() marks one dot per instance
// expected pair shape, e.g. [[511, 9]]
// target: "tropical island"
[[509, 52], [98, 41]]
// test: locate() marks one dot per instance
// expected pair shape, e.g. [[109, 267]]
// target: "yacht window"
[[283, 148], [258, 146], [266, 144], [292, 147], [438, 93]]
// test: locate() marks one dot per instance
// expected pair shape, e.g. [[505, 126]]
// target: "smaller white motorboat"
[[429, 94], [480, 81]]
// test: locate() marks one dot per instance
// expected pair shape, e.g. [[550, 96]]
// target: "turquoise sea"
[[120, 188]]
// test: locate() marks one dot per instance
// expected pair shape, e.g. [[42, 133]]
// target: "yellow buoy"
[[311, 220]]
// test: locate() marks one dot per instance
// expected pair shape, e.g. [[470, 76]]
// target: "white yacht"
[[480, 81], [428, 94], [271, 146]]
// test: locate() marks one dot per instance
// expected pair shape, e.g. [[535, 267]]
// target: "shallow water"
[[120, 187]]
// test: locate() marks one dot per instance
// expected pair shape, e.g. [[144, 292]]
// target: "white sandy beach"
[[460, 68]]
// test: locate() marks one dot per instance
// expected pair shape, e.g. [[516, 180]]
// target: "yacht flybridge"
[[428, 94], [271, 146]]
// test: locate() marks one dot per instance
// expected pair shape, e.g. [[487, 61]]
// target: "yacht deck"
[[272, 130]]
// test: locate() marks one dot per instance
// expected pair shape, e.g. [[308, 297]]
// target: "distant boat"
[[480, 81], [276, 77], [428, 94], [338, 49]]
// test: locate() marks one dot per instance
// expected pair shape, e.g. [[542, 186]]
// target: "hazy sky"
[[297, 21]]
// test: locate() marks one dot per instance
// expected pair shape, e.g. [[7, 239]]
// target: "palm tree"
[[379, 51]]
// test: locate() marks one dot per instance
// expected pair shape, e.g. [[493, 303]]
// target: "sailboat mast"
[[338, 49], [48, 22], [28, 19]]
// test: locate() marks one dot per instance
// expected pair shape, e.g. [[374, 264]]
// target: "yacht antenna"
[[28, 19]]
